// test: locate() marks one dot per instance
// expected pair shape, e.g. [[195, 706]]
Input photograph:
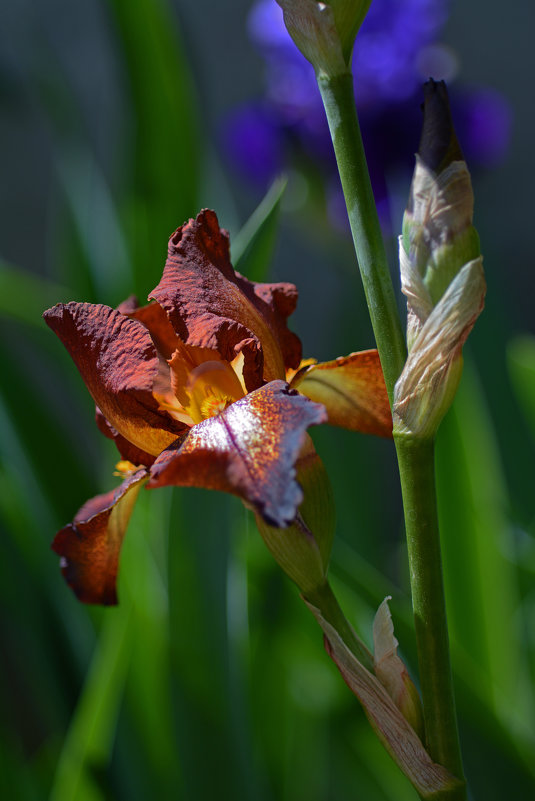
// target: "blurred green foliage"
[[209, 680]]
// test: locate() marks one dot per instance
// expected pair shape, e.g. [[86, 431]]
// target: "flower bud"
[[325, 31], [303, 549], [441, 273]]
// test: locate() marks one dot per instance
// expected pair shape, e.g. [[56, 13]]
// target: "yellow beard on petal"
[[124, 468], [212, 387], [198, 384], [214, 404]]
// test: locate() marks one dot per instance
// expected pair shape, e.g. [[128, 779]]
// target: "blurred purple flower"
[[254, 140], [396, 50], [483, 117]]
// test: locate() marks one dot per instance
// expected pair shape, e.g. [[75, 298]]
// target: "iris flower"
[[203, 387]]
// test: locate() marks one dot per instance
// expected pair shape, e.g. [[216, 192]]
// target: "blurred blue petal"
[[483, 119], [254, 140], [385, 59], [396, 48], [388, 45]]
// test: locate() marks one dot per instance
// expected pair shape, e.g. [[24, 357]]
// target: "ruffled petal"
[[211, 306], [89, 546], [353, 391], [118, 363], [156, 321], [249, 450]]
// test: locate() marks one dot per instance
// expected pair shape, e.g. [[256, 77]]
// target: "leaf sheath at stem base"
[[417, 474]]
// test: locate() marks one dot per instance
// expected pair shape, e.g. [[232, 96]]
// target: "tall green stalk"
[[339, 101], [415, 457]]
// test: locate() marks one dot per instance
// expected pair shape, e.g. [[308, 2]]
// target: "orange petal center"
[[198, 384], [212, 386]]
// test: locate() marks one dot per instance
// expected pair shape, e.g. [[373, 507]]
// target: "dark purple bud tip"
[[438, 144]]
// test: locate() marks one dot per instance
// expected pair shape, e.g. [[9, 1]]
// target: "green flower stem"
[[339, 101], [324, 599], [417, 473], [416, 458]]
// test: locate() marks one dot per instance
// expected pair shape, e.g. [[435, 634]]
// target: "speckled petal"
[[212, 306], [353, 391], [89, 546], [118, 362], [250, 450]]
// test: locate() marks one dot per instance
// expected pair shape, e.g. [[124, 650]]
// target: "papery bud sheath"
[[441, 273]]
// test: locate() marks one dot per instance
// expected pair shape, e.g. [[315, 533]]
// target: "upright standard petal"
[[118, 363], [212, 306], [156, 321], [353, 391], [249, 450], [89, 546]]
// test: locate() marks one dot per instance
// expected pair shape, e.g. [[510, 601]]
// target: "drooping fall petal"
[[249, 450], [212, 306], [353, 391], [90, 545], [118, 363]]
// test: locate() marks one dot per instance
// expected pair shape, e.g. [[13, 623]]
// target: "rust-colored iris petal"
[[131, 304], [128, 451], [212, 306], [118, 362], [156, 320], [250, 450], [353, 391], [89, 546]]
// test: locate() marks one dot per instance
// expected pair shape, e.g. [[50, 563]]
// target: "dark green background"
[[210, 680]]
